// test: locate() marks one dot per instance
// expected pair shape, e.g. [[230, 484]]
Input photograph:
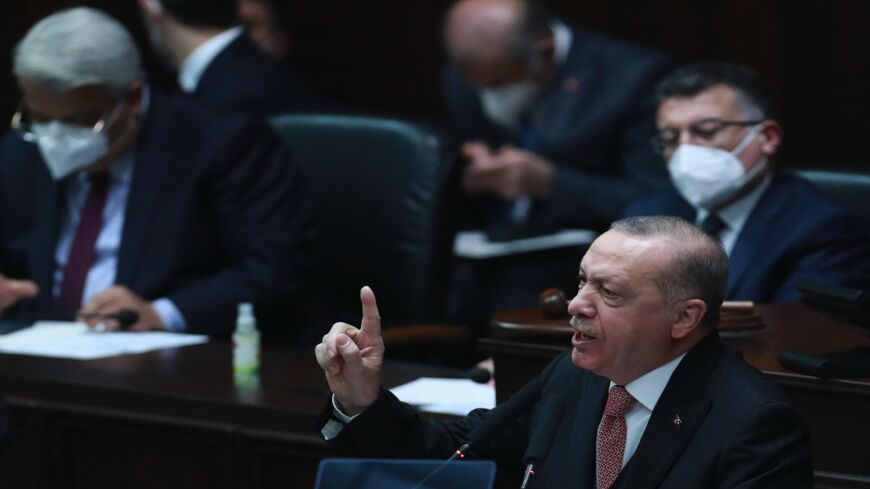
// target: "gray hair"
[[79, 47], [699, 265]]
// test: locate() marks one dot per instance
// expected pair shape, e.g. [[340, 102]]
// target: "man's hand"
[[352, 358], [508, 173], [113, 300], [12, 291]]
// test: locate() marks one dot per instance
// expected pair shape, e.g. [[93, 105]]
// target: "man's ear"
[[688, 317], [771, 131]]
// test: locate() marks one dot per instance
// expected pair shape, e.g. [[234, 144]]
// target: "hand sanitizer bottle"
[[246, 348]]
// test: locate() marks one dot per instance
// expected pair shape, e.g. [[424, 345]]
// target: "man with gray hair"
[[650, 395], [115, 197], [718, 138]]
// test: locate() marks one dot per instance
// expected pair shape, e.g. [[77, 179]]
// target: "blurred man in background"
[[718, 137], [218, 64], [554, 123], [116, 197]]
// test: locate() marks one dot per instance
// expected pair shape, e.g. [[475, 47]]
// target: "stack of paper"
[[74, 340], [450, 396]]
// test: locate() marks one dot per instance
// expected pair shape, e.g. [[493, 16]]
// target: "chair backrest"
[[378, 187], [852, 189]]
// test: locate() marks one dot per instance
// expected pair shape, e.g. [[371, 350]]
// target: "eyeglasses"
[[704, 130], [22, 124]]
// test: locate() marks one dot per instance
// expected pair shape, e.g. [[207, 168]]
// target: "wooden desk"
[[836, 411], [168, 419]]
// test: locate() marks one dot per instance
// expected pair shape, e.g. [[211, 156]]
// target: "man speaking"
[[652, 396]]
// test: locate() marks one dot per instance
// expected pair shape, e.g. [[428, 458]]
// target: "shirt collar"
[[121, 171], [191, 70], [562, 37], [736, 213], [648, 388]]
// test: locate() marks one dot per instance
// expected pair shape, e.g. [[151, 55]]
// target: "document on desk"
[[450, 396], [475, 245], [74, 340]]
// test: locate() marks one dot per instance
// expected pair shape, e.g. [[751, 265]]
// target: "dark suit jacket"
[[4, 424], [793, 232], [737, 431], [243, 79], [594, 122], [215, 216]]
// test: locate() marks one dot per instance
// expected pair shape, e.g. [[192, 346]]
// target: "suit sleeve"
[[265, 231], [393, 429], [770, 450], [837, 253]]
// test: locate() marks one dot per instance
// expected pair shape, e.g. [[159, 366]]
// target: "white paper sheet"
[[475, 245], [73, 340], [450, 396]]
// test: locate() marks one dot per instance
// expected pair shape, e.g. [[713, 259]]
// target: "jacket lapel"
[[152, 157], [568, 89], [758, 229], [588, 415], [665, 438]]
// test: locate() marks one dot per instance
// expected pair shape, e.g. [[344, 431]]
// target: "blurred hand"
[[113, 300], [352, 358], [508, 173], [12, 291]]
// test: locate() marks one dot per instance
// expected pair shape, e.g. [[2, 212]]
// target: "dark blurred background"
[[385, 56]]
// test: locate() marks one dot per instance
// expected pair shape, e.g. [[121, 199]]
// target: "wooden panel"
[[102, 449], [272, 460], [24, 460]]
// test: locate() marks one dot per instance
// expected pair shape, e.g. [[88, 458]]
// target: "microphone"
[[500, 416], [540, 439], [477, 374], [125, 317]]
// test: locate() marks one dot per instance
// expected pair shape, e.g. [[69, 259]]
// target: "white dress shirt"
[[735, 215], [197, 61], [646, 390]]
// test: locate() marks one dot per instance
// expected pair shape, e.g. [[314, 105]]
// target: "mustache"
[[579, 325]]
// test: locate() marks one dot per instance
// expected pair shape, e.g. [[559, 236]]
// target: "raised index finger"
[[371, 320]]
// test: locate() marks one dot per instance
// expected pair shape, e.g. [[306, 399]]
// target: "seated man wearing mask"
[[716, 133], [115, 197], [550, 113], [554, 123]]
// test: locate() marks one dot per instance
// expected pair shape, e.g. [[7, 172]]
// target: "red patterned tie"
[[610, 445], [82, 252]]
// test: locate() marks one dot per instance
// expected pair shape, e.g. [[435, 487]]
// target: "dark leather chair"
[[379, 193], [850, 188]]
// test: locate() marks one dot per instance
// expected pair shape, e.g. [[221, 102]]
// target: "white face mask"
[[505, 104], [66, 147], [707, 177]]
